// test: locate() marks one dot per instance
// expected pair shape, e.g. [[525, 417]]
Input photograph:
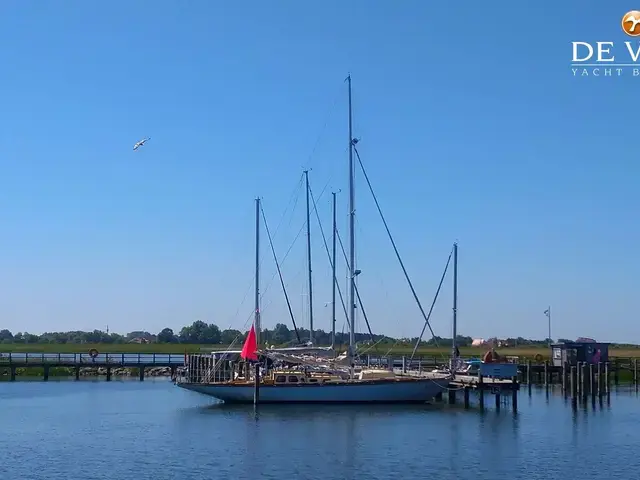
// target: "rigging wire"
[[364, 314], [393, 243], [275, 259], [286, 255], [435, 298], [326, 247]]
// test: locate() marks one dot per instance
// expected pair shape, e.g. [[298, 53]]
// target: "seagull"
[[141, 143], [632, 19]]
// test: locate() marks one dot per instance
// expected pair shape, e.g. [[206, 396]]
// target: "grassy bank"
[[190, 348]]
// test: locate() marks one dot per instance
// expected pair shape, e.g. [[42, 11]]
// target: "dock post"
[[600, 383], [592, 390], [481, 392], [256, 385], [46, 372], [497, 402], [635, 372], [108, 374], [564, 377], [573, 380], [607, 377], [546, 373], [466, 397], [529, 373], [585, 380], [404, 364], [141, 372], [514, 395], [616, 372], [452, 396], [77, 372], [12, 373]]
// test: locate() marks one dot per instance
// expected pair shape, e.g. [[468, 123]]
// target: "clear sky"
[[472, 128]]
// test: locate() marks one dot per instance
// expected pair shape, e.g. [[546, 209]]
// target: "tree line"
[[203, 333]]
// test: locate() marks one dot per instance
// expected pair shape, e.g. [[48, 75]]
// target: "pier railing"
[[149, 359]]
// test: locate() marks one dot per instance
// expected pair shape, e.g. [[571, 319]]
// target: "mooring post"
[[635, 372], [404, 364], [46, 372], [497, 402], [616, 372], [256, 385], [77, 372], [564, 377], [607, 377], [13, 373], [141, 372], [466, 397], [514, 395], [600, 387], [546, 373], [481, 391], [529, 372], [592, 390], [573, 380], [108, 374], [452, 396]]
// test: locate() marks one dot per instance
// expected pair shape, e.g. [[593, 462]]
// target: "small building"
[[579, 351]]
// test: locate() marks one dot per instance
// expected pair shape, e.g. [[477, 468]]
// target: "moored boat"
[[325, 379]]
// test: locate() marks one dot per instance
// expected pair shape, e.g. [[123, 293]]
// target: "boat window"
[[281, 379], [293, 379]]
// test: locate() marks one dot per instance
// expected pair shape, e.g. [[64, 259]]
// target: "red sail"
[[250, 346]]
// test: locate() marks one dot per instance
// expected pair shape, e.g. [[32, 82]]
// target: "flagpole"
[[548, 312]]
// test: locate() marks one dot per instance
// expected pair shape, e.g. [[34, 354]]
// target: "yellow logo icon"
[[631, 23]]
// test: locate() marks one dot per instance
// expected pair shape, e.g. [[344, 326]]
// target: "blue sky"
[[469, 131]]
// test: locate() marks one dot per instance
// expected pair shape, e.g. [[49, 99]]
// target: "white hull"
[[413, 391]]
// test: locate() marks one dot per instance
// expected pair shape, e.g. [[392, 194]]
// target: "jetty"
[[77, 361]]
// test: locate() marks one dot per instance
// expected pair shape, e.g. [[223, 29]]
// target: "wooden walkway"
[[108, 361]]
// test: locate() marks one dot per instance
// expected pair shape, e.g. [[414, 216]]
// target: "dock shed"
[[574, 352]]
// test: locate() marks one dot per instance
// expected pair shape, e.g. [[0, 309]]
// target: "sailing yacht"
[[337, 382]]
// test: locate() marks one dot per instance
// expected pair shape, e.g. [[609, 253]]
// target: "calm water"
[[153, 430]]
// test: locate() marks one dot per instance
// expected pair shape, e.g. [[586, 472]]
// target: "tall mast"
[[333, 274], [256, 318], [352, 212], [454, 346], [306, 176]]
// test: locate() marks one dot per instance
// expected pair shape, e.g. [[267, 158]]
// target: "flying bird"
[[632, 19], [141, 143]]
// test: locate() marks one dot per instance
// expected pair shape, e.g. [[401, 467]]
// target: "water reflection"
[[154, 431]]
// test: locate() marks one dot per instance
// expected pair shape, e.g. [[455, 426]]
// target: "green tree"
[[166, 336]]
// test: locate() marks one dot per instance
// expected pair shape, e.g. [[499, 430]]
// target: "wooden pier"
[[497, 387], [11, 362]]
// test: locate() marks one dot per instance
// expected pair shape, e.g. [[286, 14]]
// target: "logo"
[[609, 57], [630, 22]]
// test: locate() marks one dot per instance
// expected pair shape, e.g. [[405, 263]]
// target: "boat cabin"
[[285, 377]]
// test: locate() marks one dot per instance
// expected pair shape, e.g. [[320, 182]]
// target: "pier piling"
[[256, 385]]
